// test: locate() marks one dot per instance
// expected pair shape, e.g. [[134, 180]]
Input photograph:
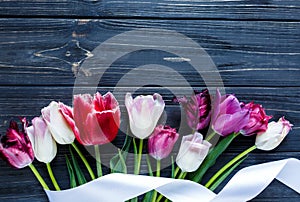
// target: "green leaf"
[[211, 158], [117, 163], [79, 174], [71, 173], [226, 174]]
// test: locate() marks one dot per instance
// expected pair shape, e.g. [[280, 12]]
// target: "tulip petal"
[[45, 146]]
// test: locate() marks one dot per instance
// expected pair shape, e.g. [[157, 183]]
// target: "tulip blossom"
[[161, 142], [144, 113], [197, 109], [43, 144], [192, 152], [15, 146], [258, 121], [228, 114], [57, 124], [274, 135], [97, 118]]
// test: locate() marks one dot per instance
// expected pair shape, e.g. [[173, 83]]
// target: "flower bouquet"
[[95, 121]]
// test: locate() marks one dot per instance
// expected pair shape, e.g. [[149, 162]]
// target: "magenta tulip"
[[197, 109], [161, 141], [97, 118], [258, 121], [228, 115], [15, 146]]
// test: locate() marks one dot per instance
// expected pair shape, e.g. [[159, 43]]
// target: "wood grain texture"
[[254, 44], [214, 9], [247, 54]]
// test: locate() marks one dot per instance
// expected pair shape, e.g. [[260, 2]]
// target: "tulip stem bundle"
[[38, 176], [228, 165], [87, 165], [56, 186], [210, 136], [98, 161]]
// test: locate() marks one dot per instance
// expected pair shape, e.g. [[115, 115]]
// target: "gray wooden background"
[[255, 44]]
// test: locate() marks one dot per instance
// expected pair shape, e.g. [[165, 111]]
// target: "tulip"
[[161, 142], [57, 124], [258, 121], [228, 115], [43, 144], [197, 109], [192, 152], [144, 113], [274, 135], [97, 118], [15, 146]]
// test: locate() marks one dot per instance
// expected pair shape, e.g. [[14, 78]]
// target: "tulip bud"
[[192, 152], [97, 118], [144, 113], [161, 142], [197, 109], [258, 121], [43, 144], [274, 135], [15, 146], [228, 115], [59, 127]]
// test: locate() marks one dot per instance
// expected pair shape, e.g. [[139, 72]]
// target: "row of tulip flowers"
[[95, 120]]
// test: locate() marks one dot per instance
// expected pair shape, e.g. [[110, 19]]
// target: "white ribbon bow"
[[244, 185]]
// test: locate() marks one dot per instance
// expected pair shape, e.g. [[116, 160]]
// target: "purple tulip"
[[197, 109], [258, 121], [15, 146], [161, 142], [228, 114]]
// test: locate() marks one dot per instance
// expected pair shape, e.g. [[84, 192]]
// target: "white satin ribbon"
[[244, 185]]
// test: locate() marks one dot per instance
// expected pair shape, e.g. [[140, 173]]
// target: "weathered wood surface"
[[214, 9], [254, 44]]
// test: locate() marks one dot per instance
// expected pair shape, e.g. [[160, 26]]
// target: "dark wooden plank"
[[216, 9], [256, 53]]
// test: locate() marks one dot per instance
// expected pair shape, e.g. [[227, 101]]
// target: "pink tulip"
[[228, 114], [144, 113], [161, 142], [258, 121], [274, 135], [197, 109], [43, 144], [15, 147], [193, 150], [97, 118], [56, 121]]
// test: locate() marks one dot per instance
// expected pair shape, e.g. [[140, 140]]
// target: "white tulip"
[[192, 152], [60, 129], [144, 113], [43, 144], [274, 135]]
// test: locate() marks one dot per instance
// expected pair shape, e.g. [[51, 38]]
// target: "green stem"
[[157, 175], [182, 175], [57, 188], [87, 165], [139, 158], [228, 165], [98, 161], [176, 171], [38, 176], [210, 136]]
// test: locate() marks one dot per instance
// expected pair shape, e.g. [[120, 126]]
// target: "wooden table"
[[255, 45]]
